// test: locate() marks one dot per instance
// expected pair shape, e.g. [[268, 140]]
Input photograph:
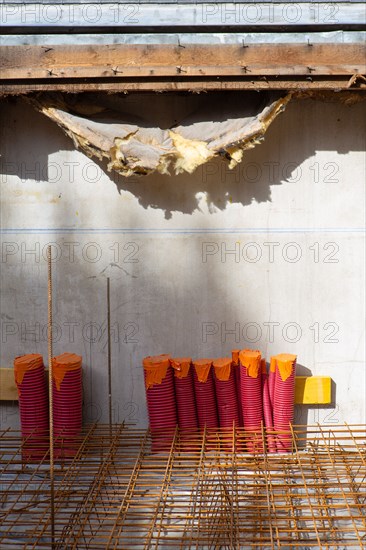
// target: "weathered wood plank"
[[8, 389], [199, 85], [184, 70], [22, 62]]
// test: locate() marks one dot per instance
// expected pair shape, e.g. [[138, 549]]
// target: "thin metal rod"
[[50, 393], [109, 354]]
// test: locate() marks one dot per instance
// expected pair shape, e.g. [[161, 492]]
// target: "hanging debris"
[[224, 125]]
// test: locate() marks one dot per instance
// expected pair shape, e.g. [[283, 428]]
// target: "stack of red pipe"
[[204, 389], [161, 404], [208, 394], [184, 392], [227, 403], [67, 394], [236, 367], [283, 403], [186, 403], [251, 397], [268, 412], [33, 405]]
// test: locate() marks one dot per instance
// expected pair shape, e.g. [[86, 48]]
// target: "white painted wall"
[[165, 243]]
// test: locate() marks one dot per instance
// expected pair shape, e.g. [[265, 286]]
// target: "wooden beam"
[[8, 389], [170, 61], [20, 87], [309, 390]]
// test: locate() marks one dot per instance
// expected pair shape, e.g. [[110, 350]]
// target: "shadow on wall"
[[289, 141], [27, 140], [305, 128]]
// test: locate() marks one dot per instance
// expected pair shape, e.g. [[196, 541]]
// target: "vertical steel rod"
[[109, 355], [50, 394]]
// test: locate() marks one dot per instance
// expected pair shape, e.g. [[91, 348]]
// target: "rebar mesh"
[[117, 494]]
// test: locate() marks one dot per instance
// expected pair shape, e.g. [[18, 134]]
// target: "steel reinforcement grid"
[[204, 491]]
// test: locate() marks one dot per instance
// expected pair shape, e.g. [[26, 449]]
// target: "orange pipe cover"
[[181, 366], [25, 363], [202, 367], [155, 367], [222, 368], [285, 363], [251, 359], [62, 364]]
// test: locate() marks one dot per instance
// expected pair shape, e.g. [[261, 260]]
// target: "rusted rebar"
[[117, 494]]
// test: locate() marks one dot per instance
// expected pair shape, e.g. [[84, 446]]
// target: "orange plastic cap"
[[26, 363], [285, 363], [155, 367], [62, 364], [181, 366], [222, 368], [202, 368], [251, 359]]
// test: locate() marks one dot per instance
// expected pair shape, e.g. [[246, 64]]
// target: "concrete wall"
[[269, 256]]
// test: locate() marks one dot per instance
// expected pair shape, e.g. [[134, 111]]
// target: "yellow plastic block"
[[313, 390]]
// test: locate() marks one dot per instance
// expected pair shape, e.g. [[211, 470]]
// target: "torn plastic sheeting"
[[224, 126]]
